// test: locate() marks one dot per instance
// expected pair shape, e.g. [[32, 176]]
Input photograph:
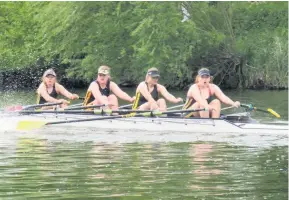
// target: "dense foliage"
[[245, 44]]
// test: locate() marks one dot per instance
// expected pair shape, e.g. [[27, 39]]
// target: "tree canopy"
[[245, 44]]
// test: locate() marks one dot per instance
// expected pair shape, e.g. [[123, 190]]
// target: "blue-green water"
[[79, 166]]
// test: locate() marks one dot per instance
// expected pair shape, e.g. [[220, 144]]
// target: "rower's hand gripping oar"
[[29, 125], [250, 107]]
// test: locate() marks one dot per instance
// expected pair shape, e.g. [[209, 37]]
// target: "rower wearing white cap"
[[49, 89], [148, 91], [204, 94], [100, 91]]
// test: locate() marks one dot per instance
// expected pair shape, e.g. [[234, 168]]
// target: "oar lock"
[[249, 107]]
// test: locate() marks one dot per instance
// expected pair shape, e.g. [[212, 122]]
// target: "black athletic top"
[[104, 92], [140, 99], [41, 100]]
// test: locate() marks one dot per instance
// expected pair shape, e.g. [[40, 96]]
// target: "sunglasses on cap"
[[203, 72], [154, 74], [100, 74], [155, 77], [50, 76], [205, 76]]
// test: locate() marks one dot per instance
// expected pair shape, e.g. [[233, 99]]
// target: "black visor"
[[204, 72], [154, 74]]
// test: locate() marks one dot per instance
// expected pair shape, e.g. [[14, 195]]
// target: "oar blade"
[[273, 112], [13, 108], [30, 125]]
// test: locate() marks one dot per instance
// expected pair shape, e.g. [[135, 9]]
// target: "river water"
[[43, 166]]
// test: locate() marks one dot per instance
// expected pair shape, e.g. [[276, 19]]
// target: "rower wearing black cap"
[[204, 94], [148, 92]]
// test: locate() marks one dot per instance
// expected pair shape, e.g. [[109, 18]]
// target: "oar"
[[178, 106], [75, 105], [125, 106], [19, 107], [226, 108], [269, 110], [129, 105], [95, 111], [86, 107], [29, 125]]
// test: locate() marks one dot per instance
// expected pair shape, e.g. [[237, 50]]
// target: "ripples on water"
[[44, 169]]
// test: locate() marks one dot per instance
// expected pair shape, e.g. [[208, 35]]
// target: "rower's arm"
[[65, 92], [168, 96], [94, 88], [118, 92], [194, 92], [43, 92], [142, 88], [222, 97]]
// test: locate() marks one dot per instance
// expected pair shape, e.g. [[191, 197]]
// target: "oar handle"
[[86, 107], [125, 106], [177, 106], [19, 107], [226, 108]]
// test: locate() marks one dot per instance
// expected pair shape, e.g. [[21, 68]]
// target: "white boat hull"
[[168, 125]]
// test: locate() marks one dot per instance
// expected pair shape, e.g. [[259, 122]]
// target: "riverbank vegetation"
[[245, 44]]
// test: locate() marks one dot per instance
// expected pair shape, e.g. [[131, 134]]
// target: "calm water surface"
[[40, 166]]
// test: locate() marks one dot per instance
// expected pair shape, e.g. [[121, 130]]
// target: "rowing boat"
[[148, 124]]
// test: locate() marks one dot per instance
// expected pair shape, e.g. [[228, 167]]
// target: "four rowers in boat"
[[202, 94]]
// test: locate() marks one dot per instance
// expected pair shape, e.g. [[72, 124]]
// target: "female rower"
[[148, 91], [49, 89], [204, 94], [100, 91]]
